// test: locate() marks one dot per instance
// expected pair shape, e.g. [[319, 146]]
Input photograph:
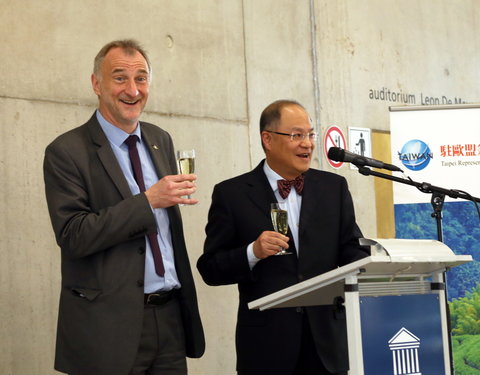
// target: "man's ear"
[[266, 140], [95, 84]]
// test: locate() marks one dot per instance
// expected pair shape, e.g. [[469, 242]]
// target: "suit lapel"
[[107, 157], [259, 191], [159, 156], [261, 194], [313, 190]]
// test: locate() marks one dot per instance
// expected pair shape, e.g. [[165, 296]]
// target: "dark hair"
[[272, 113], [129, 46]]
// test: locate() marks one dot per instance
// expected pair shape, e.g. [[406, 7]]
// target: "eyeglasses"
[[298, 137]]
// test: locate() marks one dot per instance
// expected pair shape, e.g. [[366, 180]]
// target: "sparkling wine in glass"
[[280, 223], [186, 162]]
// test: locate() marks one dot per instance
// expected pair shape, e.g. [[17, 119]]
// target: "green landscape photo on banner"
[[461, 232]]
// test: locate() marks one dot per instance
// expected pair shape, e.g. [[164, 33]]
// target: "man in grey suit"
[[128, 303]]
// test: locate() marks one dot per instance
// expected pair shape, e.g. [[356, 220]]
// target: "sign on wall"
[[334, 138], [359, 140]]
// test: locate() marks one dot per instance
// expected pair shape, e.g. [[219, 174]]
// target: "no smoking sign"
[[334, 138]]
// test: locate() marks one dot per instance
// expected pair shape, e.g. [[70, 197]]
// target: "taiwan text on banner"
[[438, 146]]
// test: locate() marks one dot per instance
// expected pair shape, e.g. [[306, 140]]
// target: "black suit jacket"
[[100, 227], [269, 341]]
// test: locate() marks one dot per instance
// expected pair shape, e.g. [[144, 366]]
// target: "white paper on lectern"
[[414, 250]]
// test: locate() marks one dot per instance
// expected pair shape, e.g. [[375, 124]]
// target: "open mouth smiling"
[[304, 156], [129, 102]]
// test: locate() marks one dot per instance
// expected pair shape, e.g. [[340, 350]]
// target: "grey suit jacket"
[[100, 228]]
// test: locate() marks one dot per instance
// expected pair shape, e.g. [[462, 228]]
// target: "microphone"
[[339, 154]]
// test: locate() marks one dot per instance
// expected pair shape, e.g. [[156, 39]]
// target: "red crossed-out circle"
[[334, 138]]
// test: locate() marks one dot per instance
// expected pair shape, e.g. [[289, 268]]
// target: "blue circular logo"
[[415, 155]]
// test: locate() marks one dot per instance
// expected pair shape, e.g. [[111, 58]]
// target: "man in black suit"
[[128, 303], [241, 245]]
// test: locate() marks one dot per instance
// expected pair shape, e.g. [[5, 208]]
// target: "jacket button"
[[140, 283], [141, 250]]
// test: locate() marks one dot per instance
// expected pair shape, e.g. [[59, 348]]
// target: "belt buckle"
[[152, 295]]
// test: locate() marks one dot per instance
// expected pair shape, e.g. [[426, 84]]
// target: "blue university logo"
[[415, 155]]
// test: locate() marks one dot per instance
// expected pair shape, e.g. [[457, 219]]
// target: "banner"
[[441, 146]]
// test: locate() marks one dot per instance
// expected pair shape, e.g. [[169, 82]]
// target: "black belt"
[[159, 298]]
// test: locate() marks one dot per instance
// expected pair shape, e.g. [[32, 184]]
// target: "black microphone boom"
[[339, 154]]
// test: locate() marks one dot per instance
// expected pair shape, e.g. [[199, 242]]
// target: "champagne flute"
[[186, 162], [280, 223]]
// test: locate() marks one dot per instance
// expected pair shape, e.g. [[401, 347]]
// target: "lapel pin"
[[155, 147]]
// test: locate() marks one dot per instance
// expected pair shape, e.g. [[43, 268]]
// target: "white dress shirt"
[[117, 137], [292, 204]]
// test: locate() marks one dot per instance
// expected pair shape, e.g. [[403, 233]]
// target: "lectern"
[[395, 306]]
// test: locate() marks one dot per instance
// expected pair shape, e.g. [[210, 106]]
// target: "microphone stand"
[[438, 194], [437, 200]]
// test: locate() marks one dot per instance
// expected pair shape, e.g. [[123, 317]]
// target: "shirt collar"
[[115, 135], [272, 176]]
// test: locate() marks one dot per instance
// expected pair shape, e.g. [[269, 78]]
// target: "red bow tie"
[[284, 186]]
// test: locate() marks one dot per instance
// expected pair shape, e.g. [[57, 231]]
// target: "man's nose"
[[307, 142], [131, 88]]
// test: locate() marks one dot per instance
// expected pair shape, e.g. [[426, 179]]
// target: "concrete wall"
[[217, 64]]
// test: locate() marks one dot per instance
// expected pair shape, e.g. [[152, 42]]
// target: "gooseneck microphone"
[[339, 154]]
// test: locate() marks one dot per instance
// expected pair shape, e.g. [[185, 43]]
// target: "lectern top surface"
[[377, 265]]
